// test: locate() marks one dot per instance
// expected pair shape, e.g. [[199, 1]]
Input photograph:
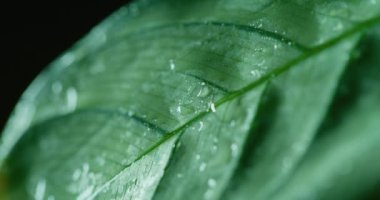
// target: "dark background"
[[34, 33]]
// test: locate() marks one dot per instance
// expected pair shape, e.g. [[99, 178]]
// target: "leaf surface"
[[158, 101]]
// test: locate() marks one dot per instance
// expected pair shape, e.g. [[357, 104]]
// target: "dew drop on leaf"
[[56, 87], [204, 91], [71, 98], [201, 124], [202, 167], [234, 150], [212, 107], [171, 64], [40, 190], [211, 182]]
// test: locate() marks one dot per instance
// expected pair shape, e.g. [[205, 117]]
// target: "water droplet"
[[234, 150], [275, 46], [179, 175], [176, 111], [197, 157], [202, 167], [255, 73], [40, 190], [200, 126], [76, 174], [212, 107], [214, 148], [172, 64], [211, 182], [71, 98], [204, 91], [56, 87], [67, 59]]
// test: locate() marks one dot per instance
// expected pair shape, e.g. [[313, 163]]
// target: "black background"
[[33, 33]]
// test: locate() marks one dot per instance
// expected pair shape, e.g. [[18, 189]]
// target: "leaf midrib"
[[235, 94]]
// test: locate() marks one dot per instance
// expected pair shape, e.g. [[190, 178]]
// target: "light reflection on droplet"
[[212, 107], [172, 64]]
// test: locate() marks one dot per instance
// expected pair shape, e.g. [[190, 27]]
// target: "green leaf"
[[346, 152], [208, 99]]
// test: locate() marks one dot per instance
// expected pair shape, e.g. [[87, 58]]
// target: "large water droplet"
[[204, 91]]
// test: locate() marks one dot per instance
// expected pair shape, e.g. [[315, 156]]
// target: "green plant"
[[206, 99]]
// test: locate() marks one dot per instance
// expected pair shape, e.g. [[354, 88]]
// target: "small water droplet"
[[255, 73], [204, 91], [275, 46], [179, 144], [200, 126], [76, 174], [211, 182], [68, 59], [179, 175], [212, 107], [71, 98], [234, 150], [197, 157], [100, 160], [56, 87], [338, 26], [172, 64], [40, 190], [178, 109], [202, 167]]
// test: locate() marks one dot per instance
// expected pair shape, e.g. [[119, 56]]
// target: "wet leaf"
[[204, 100]]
